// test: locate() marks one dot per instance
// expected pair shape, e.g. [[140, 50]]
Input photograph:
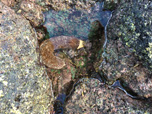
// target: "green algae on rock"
[[23, 83]]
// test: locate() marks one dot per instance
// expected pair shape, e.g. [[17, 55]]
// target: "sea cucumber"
[[66, 42], [60, 42]]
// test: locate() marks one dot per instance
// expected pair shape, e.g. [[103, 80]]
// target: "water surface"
[[74, 22]]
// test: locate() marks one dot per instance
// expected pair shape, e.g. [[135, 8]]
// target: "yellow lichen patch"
[[5, 83], [1, 93], [14, 110], [149, 49]]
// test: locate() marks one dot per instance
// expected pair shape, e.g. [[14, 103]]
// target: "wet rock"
[[23, 83], [74, 22], [128, 41], [91, 96], [32, 12]]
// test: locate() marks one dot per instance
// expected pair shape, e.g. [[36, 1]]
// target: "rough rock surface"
[[23, 83], [24, 90], [132, 34], [9, 3], [67, 4], [128, 20], [121, 63], [132, 24], [32, 12], [92, 97]]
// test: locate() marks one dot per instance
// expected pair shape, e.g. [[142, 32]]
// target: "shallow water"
[[74, 22]]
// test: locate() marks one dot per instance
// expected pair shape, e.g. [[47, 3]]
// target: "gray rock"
[[131, 23], [23, 83], [129, 50]]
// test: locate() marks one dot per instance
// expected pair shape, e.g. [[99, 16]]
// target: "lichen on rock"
[[32, 12], [23, 83], [129, 46], [149, 49], [132, 24]]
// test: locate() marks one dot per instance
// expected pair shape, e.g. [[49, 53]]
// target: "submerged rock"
[[23, 83], [74, 22]]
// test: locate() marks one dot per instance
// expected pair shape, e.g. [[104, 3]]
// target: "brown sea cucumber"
[[60, 42]]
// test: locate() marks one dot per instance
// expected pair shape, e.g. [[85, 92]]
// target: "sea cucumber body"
[[64, 42], [60, 42], [48, 58]]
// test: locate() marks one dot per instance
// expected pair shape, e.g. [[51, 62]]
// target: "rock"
[[23, 83], [92, 97], [61, 42], [121, 62], [111, 4], [67, 4], [32, 12], [10, 3], [126, 53], [131, 23]]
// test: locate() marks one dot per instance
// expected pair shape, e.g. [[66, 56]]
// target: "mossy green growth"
[[73, 71]]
